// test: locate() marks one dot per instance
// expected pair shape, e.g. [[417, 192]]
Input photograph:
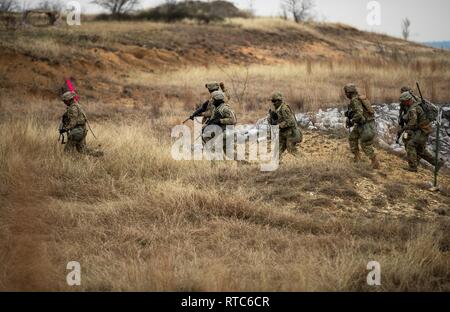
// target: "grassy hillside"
[[139, 220], [125, 62]]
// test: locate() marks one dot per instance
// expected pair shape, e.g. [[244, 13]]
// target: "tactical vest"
[[219, 111]]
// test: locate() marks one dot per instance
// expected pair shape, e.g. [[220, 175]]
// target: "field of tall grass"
[[138, 220]]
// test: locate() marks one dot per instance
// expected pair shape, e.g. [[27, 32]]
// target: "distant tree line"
[[298, 10], [172, 10]]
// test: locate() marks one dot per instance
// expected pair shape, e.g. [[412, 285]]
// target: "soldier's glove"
[[192, 117], [62, 131]]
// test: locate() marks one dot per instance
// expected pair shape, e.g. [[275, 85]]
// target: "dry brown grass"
[[126, 62], [138, 220]]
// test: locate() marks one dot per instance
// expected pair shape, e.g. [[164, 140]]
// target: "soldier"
[[206, 109], [415, 133], [222, 114], [361, 117], [74, 124], [290, 134]]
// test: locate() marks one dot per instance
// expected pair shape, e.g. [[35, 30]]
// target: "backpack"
[[431, 111], [367, 105]]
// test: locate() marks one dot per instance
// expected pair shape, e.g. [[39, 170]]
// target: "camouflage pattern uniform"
[[403, 108], [416, 132], [283, 116], [222, 115], [361, 118], [74, 123], [213, 87], [225, 115]]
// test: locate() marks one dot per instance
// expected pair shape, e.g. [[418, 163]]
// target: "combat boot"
[[375, 163]]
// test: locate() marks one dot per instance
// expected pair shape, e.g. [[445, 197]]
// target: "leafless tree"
[[301, 10], [239, 83], [284, 11], [117, 7], [8, 5], [406, 24], [251, 7]]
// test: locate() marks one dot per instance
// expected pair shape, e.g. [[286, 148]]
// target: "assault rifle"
[[61, 129], [198, 112], [61, 134], [349, 114]]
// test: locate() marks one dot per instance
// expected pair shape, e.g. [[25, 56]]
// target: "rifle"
[[420, 92], [349, 124], [61, 135], [273, 117], [198, 112], [61, 127]]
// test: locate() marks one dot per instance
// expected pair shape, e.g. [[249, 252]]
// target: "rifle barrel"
[[420, 91]]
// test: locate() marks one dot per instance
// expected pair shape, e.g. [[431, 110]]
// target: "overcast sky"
[[429, 19]]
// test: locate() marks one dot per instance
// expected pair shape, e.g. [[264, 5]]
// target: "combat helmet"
[[276, 97], [406, 96], [213, 86], [218, 96], [350, 88], [405, 89], [68, 96]]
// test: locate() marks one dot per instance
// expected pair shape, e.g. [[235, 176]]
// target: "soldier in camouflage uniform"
[[74, 124], [415, 133], [283, 116], [206, 109], [361, 117], [222, 115]]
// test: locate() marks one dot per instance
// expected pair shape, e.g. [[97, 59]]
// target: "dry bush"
[[394, 191]]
